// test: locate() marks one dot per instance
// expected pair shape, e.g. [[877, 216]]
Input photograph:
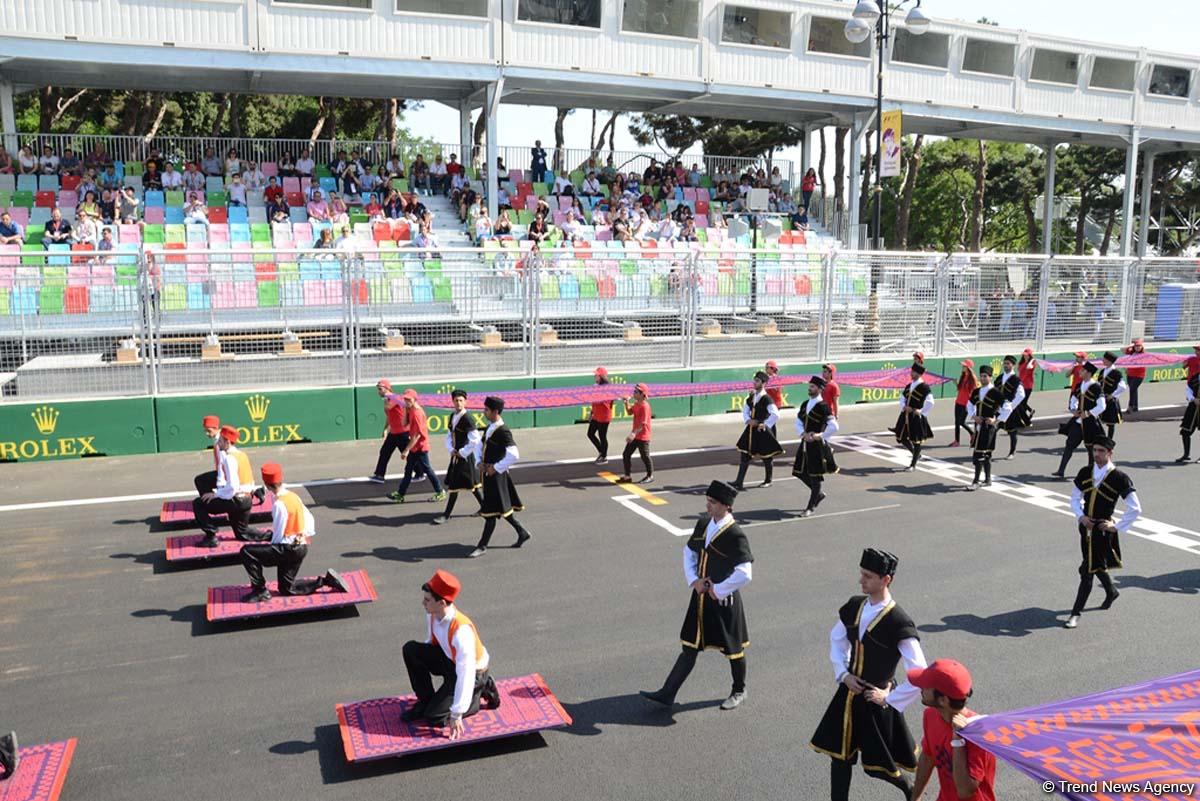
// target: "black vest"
[[1111, 382], [875, 657], [990, 406], [914, 397], [1194, 385], [495, 445], [759, 411], [1090, 397], [1008, 386], [815, 419], [728, 549], [1100, 500], [462, 431]]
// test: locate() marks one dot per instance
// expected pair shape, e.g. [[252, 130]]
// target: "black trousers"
[[286, 560], [814, 484], [453, 499], [1133, 383], [205, 482], [960, 421], [982, 461], [687, 660], [839, 780], [423, 661], [597, 434], [237, 509], [915, 449], [744, 465], [1074, 440], [418, 465], [643, 449], [489, 528], [391, 444]]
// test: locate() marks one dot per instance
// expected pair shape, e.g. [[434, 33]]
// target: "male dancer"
[[815, 423], [1087, 405], [452, 649], [832, 392], [10, 755], [1134, 375], [983, 407], [461, 440], [716, 565], [912, 426], [1191, 415], [599, 420], [292, 526], [207, 482], [639, 436], [871, 636], [395, 432], [416, 454], [232, 494], [1112, 386], [1094, 501], [964, 769], [498, 452], [759, 413], [1015, 413]]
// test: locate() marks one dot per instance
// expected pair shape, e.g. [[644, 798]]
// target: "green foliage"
[[675, 134]]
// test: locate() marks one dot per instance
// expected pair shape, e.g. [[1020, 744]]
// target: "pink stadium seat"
[[291, 184], [20, 215], [68, 198], [701, 221], [155, 215], [269, 168], [531, 203], [103, 274], [129, 233]]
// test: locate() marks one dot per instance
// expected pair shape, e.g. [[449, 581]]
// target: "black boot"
[[490, 695], [414, 712], [10, 754], [675, 679], [769, 468], [1110, 592], [742, 468], [209, 541]]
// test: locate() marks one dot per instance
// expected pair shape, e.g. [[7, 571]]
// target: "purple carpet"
[[40, 773], [183, 548], [225, 603], [181, 511], [373, 729]]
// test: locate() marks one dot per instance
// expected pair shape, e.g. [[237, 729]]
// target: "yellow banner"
[[891, 126]]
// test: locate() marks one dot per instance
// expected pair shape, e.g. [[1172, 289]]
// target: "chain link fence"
[[176, 319]]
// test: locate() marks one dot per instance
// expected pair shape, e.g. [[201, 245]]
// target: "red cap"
[[212, 421], [1195, 347], [642, 388], [832, 368], [948, 677], [771, 365], [272, 473], [410, 394], [383, 382], [919, 355], [444, 585], [1137, 341], [229, 434], [1027, 352], [968, 363], [1079, 354], [601, 372]]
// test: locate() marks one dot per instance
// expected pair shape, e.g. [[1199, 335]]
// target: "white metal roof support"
[[1147, 187], [1131, 158], [8, 117], [1048, 198], [856, 134], [466, 139], [805, 155], [491, 108]]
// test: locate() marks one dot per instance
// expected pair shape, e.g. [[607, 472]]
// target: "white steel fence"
[[157, 320]]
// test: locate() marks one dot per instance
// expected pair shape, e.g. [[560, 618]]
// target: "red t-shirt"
[[641, 417], [453, 168], [1076, 375], [1193, 365], [776, 396], [418, 429], [396, 419], [965, 387], [602, 412], [272, 193], [981, 765], [830, 395], [1134, 372], [1025, 371]]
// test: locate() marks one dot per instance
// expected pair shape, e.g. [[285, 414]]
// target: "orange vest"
[[245, 472], [295, 514], [459, 620]]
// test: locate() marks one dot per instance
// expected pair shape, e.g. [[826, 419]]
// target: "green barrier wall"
[[732, 402], [659, 407], [262, 418], [31, 432], [1175, 372], [371, 420]]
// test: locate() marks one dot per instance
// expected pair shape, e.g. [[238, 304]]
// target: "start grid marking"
[[1146, 528]]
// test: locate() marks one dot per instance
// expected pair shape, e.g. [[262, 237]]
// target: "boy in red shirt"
[[639, 438], [966, 772], [395, 433], [774, 392], [416, 455], [831, 391], [1134, 375], [599, 420]]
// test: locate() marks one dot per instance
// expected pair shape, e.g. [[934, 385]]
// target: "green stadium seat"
[[268, 294], [50, 299]]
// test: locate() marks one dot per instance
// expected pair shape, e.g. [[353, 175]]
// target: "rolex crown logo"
[[257, 406], [45, 418]]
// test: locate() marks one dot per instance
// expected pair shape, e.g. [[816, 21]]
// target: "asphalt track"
[[103, 641]]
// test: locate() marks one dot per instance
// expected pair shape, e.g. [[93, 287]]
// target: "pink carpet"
[[373, 729], [181, 511], [40, 773], [183, 549], [224, 603]]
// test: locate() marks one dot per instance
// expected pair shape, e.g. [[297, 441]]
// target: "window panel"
[[992, 58], [1055, 66], [1170, 81], [827, 35], [364, 4], [662, 17], [930, 50], [460, 8], [757, 26], [1113, 73], [584, 13]]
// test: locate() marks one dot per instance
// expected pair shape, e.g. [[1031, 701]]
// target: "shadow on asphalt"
[[390, 553], [196, 615], [158, 559], [626, 710], [920, 489], [1182, 582], [1018, 623], [396, 522]]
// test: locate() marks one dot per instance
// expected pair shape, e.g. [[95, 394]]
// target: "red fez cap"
[[212, 421], [272, 473], [968, 363], [948, 677], [229, 434], [444, 585], [771, 365], [383, 382], [602, 372], [642, 388], [410, 394]]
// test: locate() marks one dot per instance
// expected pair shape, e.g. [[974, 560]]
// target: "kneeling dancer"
[[758, 441], [10, 755], [716, 565], [871, 636], [292, 526], [500, 498], [452, 649], [815, 423]]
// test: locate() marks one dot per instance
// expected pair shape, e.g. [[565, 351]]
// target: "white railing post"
[[941, 278], [1043, 308], [825, 320]]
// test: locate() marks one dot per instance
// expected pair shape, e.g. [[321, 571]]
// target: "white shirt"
[[227, 475], [910, 652], [172, 179], [1096, 411], [1121, 387], [928, 407], [437, 168], [831, 425], [49, 164], [279, 519], [772, 410], [740, 576], [472, 438], [237, 192], [511, 454], [305, 166], [561, 183], [254, 179], [466, 662], [983, 391], [591, 186], [1133, 506], [1187, 391]]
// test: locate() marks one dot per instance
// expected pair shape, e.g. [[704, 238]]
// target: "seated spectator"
[[85, 231], [253, 177], [317, 208], [577, 207], [502, 199], [344, 241], [717, 221], [211, 164], [667, 230], [6, 161], [501, 170], [652, 174], [723, 193], [453, 168], [194, 211], [27, 163], [286, 166], [10, 232], [233, 164], [324, 240], [424, 238], [503, 226], [620, 227], [368, 182], [156, 159], [458, 184], [374, 210], [591, 186], [57, 230], [89, 205], [688, 232], [538, 231], [48, 163], [108, 207], [273, 196], [70, 164], [483, 226], [600, 215], [679, 174], [571, 226], [645, 228], [543, 207], [305, 165], [419, 172], [646, 200], [280, 215], [193, 179], [88, 184], [439, 182], [693, 176], [786, 205], [346, 170], [393, 167], [339, 212], [152, 178], [776, 178], [98, 159], [609, 173], [393, 205], [633, 184], [236, 191], [800, 220], [563, 187], [106, 240], [171, 177]]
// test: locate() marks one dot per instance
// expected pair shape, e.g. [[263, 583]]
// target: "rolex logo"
[[889, 365], [257, 406], [45, 418]]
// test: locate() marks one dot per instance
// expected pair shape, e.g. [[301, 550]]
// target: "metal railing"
[[173, 319]]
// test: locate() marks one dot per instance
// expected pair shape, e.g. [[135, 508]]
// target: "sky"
[[1171, 25]]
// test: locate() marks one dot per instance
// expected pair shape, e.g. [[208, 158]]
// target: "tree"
[[975, 243], [674, 134], [912, 168], [1091, 174]]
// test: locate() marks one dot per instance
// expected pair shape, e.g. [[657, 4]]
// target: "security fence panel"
[[991, 302], [1165, 301], [1083, 302], [882, 303], [71, 323]]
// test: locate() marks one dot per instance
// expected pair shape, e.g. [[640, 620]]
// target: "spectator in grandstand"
[[370, 181], [483, 226], [280, 215], [645, 200], [580, 212], [646, 227], [786, 205], [339, 212], [543, 207], [10, 232], [344, 241], [318, 209], [458, 185], [590, 186], [419, 173], [393, 205], [666, 190], [156, 159], [453, 168], [439, 181], [305, 165], [152, 178], [609, 173], [633, 185], [571, 226], [253, 177], [48, 163], [85, 231], [70, 164], [194, 211], [424, 237], [99, 158], [57, 230], [563, 187], [374, 210], [537, 160], [193, 179], [233, 164], [286, 166], [171, 177], [273, 197], [88, 183], [620, 227], [502, 199], [393, 167], [210, 164], [237, 191], [501, 170], [688, 232], [6, 161], [538, 230], [106, 240], [653, 174], [693, 176], [324, 240], [88, 205], [346, 170], [108, 207], [679, 173], [776, 178], [503, 226], [808, 185], [717, 220], [27, 163]]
